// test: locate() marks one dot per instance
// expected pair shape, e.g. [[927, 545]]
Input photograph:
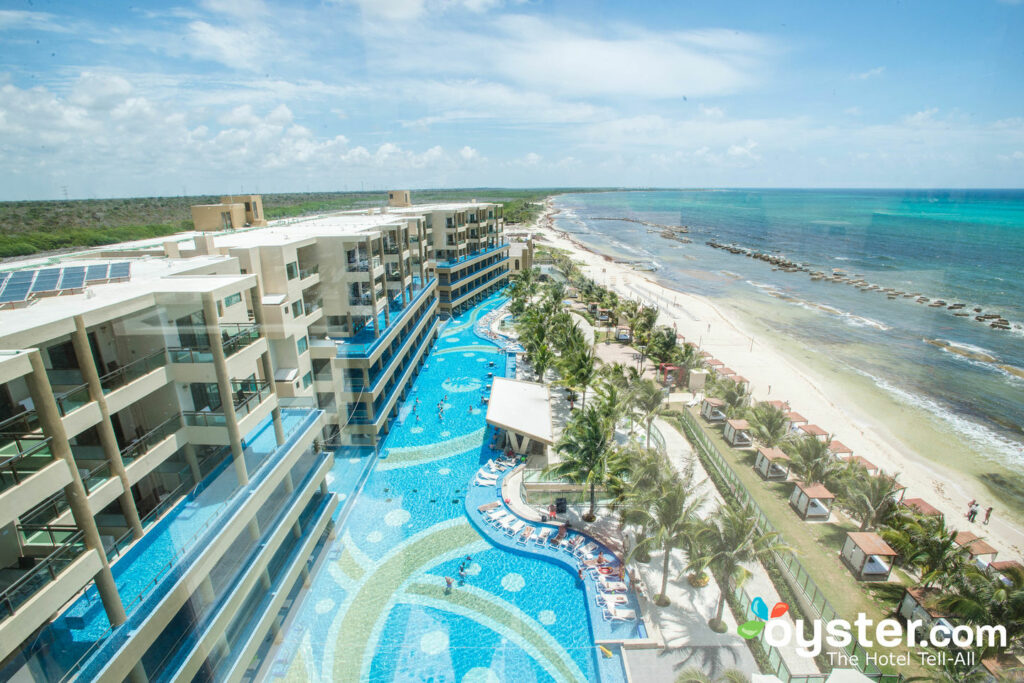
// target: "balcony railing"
[[73, 399], [247, 394], [363, 265], [308, 272], [15, 595], [134, 370], [234, 338], [312, 306], [33, 455], [471, 255], [145, 443], [364, 299]]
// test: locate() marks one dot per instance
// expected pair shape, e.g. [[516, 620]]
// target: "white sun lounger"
[[574, 543], [616, 614], [587, 550], [485, 482], [502, 518], [515, 527], [611, 586], [615, 599], [525, 536], [542, 536], [486, 475]]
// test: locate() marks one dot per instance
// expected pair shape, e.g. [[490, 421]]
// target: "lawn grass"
[[817, 545]]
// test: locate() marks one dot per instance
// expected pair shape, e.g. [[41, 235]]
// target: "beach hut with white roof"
[[737, 433], [772, 463], [812, 502], [867, 555]]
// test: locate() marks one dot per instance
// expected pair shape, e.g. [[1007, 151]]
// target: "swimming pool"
[[377, 608]]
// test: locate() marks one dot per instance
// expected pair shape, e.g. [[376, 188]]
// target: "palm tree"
[[647, 398], [769, 425], [579, 369], [735, 396], [695, 675], [928, 545], [668, 518], [584, 449], [725, 543], [810, 460], [871, 499], [542, 359], [984, 598], [613, 402]]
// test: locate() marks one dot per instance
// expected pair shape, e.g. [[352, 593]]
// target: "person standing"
[[973, 514], [988, 514]]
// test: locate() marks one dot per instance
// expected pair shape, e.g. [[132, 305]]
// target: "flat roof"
[[521, 407], [814, 429], [837, 446], [975, 546], [922, 506], [773, 453], [738, 424], [870, 542], [817, 491]]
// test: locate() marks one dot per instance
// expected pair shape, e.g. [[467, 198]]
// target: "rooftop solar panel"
[[120, 270], [73, 277], [17, 287], [46, 280], [97, 272]]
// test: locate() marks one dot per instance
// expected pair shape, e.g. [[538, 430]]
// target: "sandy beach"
[[782, 374]]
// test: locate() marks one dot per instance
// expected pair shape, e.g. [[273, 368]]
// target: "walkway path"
[[681, 456]]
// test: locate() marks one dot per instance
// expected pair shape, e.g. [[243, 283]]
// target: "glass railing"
[[360, 300], [234, 338], [32, 454], [95, 477], [296, 402], [312, 306], [471, 255], [469, 275], [147, 441], [15, 595], [248, 394], [308, 272], [73, 399], [473, 290], [348, 349], [134, 370], [363, 265]]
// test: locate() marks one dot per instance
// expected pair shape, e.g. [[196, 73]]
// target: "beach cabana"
[[982, 554], [711, 409], [812, 502], [813, 430], [604, 314], [778, 405], [741, 381], [772, 464], [795, 420], [622, 334], [871, 467], [714, 363], [1003, 667], [725, 372], [899, 490], [867, 556], [921, 507], [737, 433], [1003, 569], [839, 450], [916, 605]]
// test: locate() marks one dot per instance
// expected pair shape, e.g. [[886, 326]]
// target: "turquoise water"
[[377, 609], [959, 246]]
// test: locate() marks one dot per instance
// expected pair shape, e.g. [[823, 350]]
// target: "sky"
[[99, 98]]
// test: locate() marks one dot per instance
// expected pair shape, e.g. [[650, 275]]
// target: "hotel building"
[[170, 412]]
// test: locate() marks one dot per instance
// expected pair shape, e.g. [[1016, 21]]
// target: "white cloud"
[[468, 153], [23, 20], [870, 73]]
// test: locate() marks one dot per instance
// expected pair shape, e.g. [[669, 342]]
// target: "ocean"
[[961, 247]]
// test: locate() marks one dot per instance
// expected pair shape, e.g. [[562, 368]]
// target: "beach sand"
[[836, 403]]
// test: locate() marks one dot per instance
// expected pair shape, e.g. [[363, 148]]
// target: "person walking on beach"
[[973, 514], [988, 514], [969, 506]]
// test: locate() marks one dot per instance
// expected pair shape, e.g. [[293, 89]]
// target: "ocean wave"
[[817, 307], [978, 356], [972, 431]]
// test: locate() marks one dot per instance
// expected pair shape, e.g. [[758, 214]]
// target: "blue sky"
[[107, 99]]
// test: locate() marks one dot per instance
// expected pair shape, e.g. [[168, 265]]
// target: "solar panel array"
[[17, 286]]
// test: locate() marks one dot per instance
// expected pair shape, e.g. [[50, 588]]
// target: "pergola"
[[523, 411]]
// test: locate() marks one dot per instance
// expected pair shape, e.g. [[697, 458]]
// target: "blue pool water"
[[377, 609]]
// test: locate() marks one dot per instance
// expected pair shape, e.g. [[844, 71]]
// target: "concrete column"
[[138, 674], [49, 420], [265, 580], [277, 631], [373, 285], [256, 294], [105, 429], [304, 573], [401, 268], [193, 462], [224, 387]]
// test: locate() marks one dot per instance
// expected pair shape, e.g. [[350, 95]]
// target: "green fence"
[[788, 561]]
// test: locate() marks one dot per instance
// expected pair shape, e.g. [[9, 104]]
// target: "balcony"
[[234, 338], [69, 545], [22, 454], [363, 265], [246, 396], [471, 256], [308, 272], [363, 343], [133, 371], [72, 399], [145, 443]]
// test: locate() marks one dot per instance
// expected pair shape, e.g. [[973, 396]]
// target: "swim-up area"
[[378, 609]]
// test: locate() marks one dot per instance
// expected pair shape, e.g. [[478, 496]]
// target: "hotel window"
[[302, 344], [307, 379], [297, 309], [292, 270], [232, 300]]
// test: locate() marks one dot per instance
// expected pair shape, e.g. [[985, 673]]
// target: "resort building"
[[521, 255], [171, 409], [981, 553]]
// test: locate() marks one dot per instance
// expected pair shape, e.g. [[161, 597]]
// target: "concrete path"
[[681, 456]]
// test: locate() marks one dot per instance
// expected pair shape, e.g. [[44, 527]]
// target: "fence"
[[788, 561]]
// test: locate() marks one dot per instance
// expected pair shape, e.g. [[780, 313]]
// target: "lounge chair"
[[525, 535], [487, 475], [610, 585], [615, 599], [617, 614], [485, 482], [514, 528], [557, 538], [488, 506], [575, 543], [542, 536], [587, 550], [498, 516]]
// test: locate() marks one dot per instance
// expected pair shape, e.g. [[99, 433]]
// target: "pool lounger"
[[542, 536], [617, 599], [525, 537], [514, 528], [611, 586], [484, 482], [616, 614], [488, 506], [486, 475], [499, 521], [576, 541], [587, 550]]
